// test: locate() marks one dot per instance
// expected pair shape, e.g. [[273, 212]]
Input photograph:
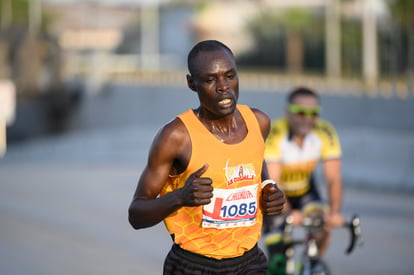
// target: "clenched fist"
[[197, 190], [273, 200]]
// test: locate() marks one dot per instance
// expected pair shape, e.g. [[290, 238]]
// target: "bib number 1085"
[[233, 210], [238, 210]]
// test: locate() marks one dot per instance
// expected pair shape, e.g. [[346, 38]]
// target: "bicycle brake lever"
[[356, 233]]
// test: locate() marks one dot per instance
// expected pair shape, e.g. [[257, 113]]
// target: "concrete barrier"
[[377, 134]]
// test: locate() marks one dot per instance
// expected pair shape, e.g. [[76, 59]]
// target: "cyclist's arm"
[[333, 177], [274, 170]]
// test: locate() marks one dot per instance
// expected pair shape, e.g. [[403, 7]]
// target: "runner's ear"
[[190, 82]]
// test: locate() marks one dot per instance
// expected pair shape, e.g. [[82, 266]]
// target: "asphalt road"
[[64, 200]]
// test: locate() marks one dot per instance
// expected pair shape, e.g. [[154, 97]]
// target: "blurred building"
[[99, 39]]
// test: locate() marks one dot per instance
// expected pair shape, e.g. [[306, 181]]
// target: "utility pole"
[[333, 39], [35, 15], [370, 47], [150, 36]]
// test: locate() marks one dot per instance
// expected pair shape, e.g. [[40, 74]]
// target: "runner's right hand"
[[197, 190]]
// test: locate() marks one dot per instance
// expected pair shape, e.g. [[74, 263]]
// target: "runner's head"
[[213, 76]]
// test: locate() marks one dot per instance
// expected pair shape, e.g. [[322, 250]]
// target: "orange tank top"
[[231, 224]]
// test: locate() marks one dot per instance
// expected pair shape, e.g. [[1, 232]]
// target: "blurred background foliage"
[[400, 36], [56, 51], [289, 40], [298, 37]]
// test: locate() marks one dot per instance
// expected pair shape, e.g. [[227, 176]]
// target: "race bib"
[[231, 208]]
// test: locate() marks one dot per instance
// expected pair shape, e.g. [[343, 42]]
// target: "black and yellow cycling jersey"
[[298, 163]]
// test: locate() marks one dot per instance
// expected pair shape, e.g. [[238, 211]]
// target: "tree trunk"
[[295, 52]]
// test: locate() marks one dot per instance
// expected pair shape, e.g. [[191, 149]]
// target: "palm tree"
[[297, 23]]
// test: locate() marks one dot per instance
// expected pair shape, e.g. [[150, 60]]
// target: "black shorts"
[[181, 262], [299, 203]]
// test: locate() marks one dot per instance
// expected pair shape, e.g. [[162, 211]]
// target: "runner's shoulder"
[[173, 133]]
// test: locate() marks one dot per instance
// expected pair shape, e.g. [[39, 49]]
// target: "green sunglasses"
[[305, 112]]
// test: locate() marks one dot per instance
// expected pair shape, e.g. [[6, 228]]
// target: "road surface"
[[64, 200]]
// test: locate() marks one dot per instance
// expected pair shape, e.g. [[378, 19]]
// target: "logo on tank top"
[[238, 173], [233, 207]]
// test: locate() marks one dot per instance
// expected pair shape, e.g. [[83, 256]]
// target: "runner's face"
[[302, 114], [216, 81]]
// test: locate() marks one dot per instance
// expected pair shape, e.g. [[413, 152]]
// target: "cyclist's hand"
[[335, 220], [297, 217], [273, 200], [197, 190]]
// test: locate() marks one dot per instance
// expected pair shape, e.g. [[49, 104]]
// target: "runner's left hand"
[[272, 200]]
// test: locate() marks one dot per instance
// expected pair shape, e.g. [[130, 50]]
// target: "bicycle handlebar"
[[316, 223]]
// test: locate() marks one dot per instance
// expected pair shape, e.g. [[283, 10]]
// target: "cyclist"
[[295, 145]]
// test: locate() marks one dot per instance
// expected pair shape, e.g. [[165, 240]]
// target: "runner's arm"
[[147, 208]]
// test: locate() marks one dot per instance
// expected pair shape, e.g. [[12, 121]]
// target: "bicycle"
[[309, 262]]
